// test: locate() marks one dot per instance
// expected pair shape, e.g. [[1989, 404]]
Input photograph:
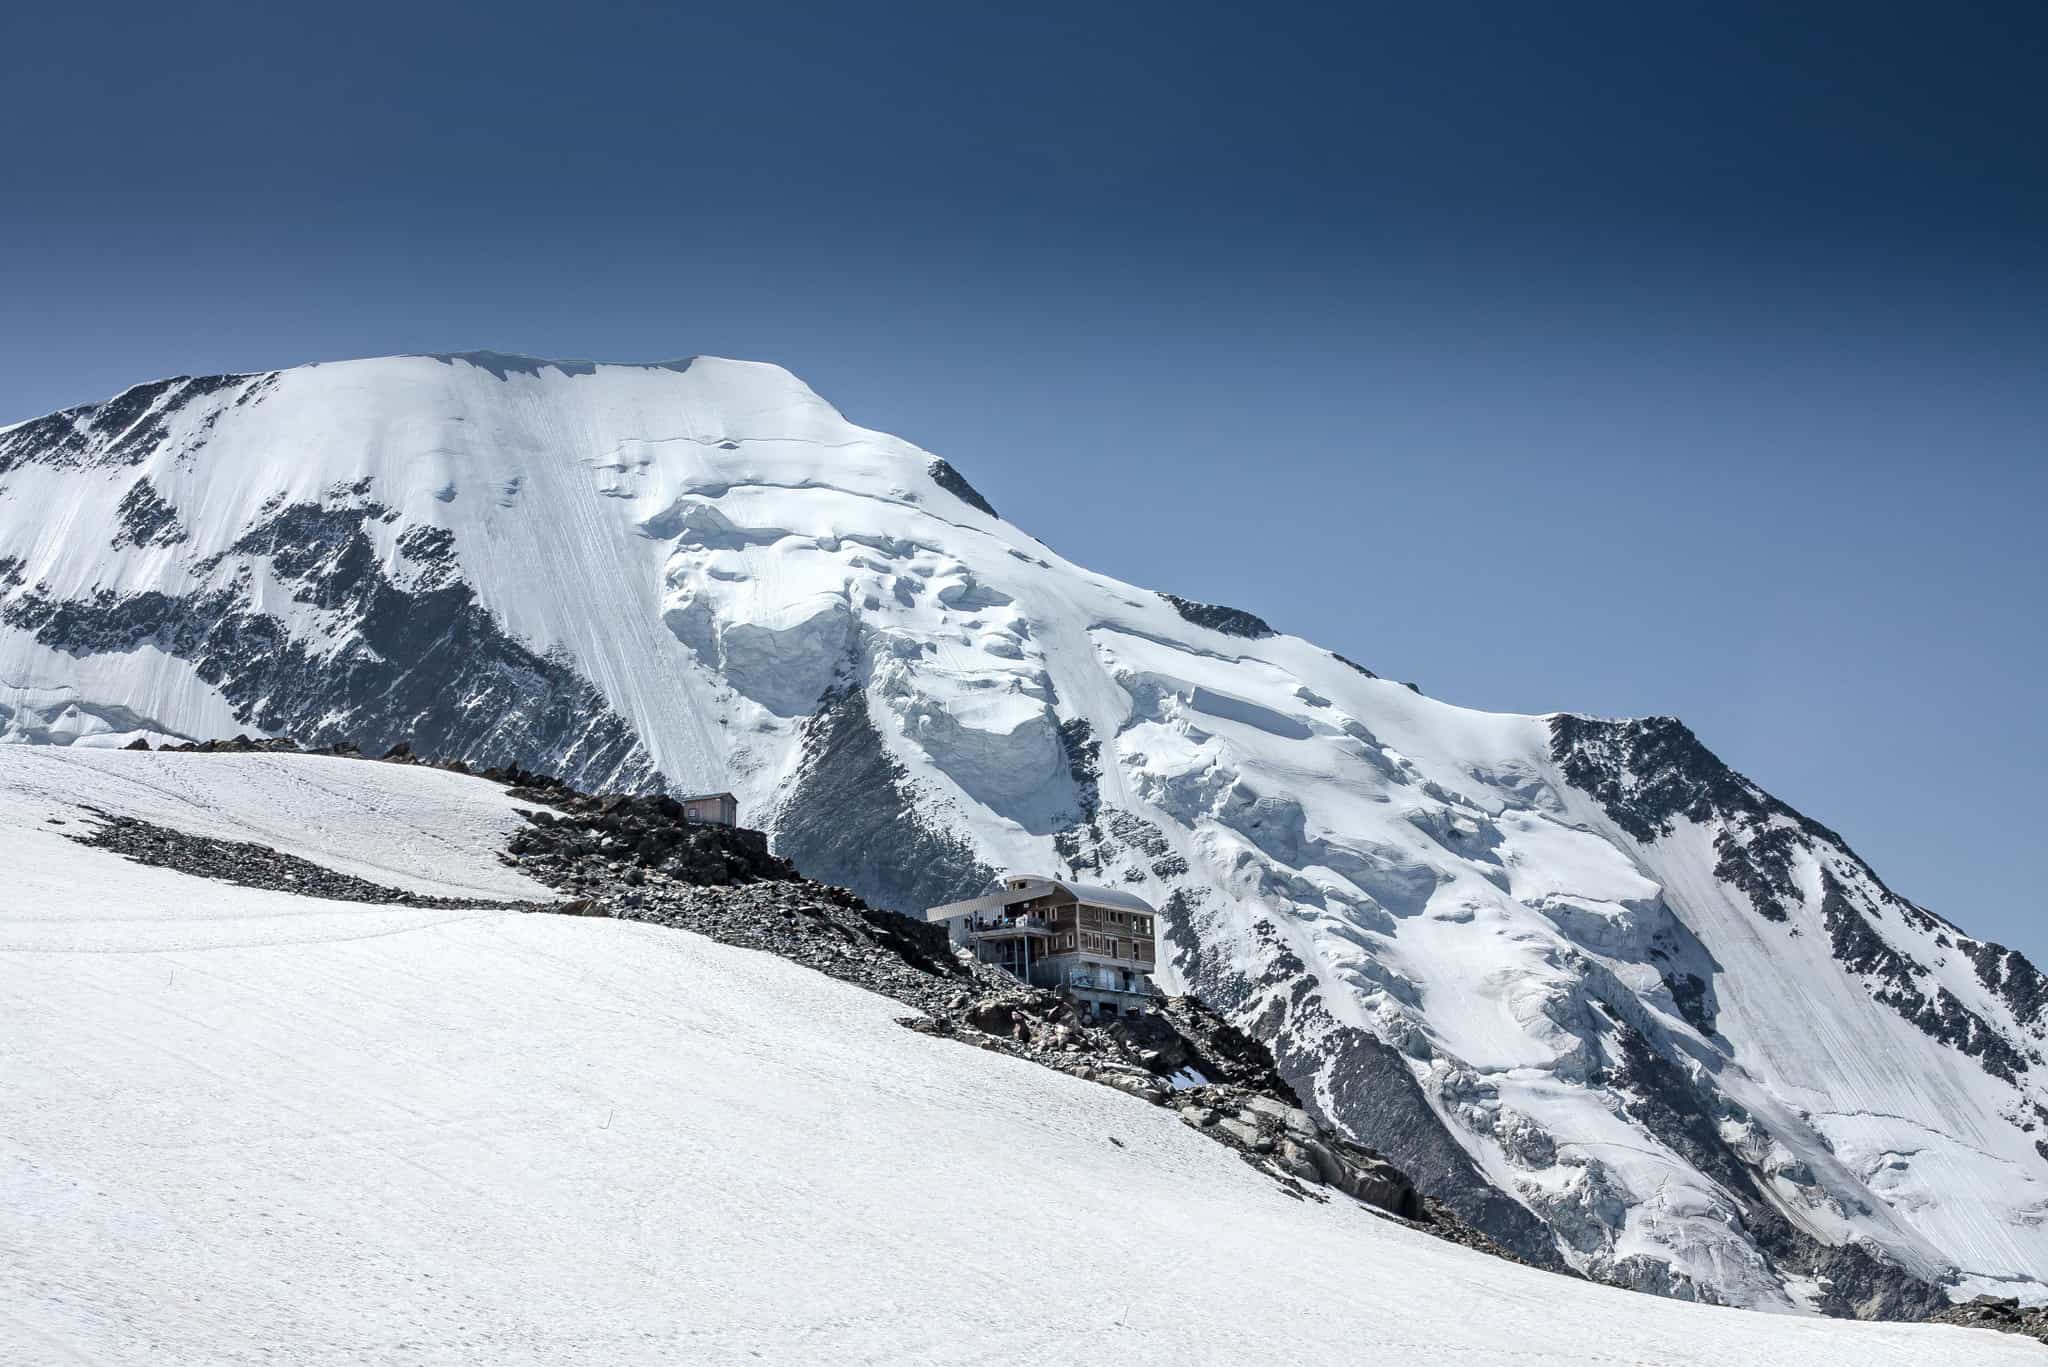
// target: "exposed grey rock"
[[955, 483], [1216, 617], [424, 662], [2012, 976], [2003, 1313], [123, 430], [851, 817], [1899, 979], [1647, 774], [146, 519], [1243, 1131]]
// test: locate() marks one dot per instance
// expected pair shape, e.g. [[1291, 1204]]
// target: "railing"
[[980, 926]]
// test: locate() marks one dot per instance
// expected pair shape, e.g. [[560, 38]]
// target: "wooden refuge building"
[[1094, 945], [717, 809]]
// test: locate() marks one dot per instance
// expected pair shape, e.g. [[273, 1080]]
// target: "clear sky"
[[1620, 358]]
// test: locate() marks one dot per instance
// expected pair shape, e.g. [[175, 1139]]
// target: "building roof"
[[1096, 895], [1092, 894], [703, 797]]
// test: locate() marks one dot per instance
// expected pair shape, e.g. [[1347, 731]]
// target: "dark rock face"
[[1216, 617], [1080, 843], [1648, 773], [146, 519], [2012, 976], [1899, 985], [955, 483], [122, 431], [1695, 998], [431, 550], [420, 661], [852, 818]]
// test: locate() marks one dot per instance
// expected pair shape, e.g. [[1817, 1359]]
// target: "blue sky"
[[1607, 357]]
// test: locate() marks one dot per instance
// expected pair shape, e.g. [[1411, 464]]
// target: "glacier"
[[1610, 1000]]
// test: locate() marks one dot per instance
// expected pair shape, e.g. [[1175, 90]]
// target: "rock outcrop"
[[2003, 1313]]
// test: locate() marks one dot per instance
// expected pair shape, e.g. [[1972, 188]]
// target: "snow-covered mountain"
[[245, 1125], [1617, 1005]]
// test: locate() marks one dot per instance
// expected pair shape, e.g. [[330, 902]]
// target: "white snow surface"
[[714, 546], [234, 1135]]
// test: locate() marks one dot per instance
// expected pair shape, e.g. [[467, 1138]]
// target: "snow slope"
[[1617, 1005], [235, 1136]]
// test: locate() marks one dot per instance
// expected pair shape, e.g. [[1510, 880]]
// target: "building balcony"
[[1008, 927]]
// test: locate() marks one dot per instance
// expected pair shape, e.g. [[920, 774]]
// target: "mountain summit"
[[1610, 1000]]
